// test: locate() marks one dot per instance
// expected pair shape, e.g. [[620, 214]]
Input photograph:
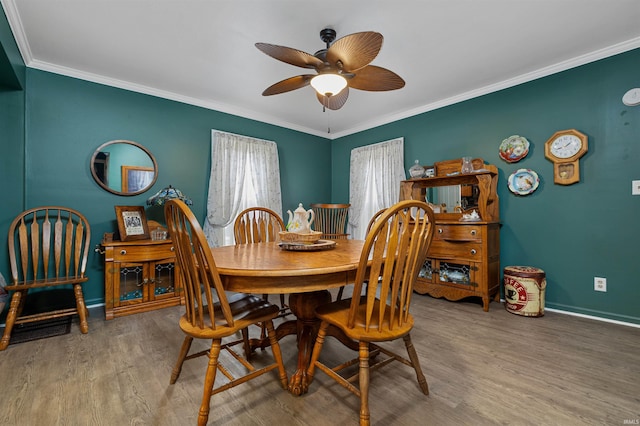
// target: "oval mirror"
[[124, 167]]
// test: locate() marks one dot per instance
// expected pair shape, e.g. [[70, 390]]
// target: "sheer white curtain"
[[245, 172], [375, 176], [138, 179]]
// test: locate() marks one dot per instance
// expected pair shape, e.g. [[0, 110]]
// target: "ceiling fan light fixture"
[[328, 84]]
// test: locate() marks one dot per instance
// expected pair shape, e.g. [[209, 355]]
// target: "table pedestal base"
[[305, 327], [303, 306]]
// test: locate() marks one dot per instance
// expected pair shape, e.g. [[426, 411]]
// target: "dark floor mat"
[[40, 330]]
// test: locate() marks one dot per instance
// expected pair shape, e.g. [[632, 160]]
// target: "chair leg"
[[209, 380], [263, 331], [81, 308], [365, 417], [277, 354], [317, 348], [184, 350], [415, 361], [246, 346], [15, 310], [11, 318]]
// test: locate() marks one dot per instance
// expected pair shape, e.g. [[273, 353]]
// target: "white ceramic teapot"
[[300, 221]]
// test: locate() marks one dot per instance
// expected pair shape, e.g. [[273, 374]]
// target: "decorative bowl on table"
[[310, 237]]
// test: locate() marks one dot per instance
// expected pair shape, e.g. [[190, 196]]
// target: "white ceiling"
[[202, 52]]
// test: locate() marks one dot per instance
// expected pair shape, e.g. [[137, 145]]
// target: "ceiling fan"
[[343, 64]]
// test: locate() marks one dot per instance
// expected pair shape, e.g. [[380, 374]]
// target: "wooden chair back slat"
[[58, 235], [256, 225], [67, 249], [331, 220], [393, 253], [35, 248], [46, 243], [23, 255], [77, 260], [201, 278]]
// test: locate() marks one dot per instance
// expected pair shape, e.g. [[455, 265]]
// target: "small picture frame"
[[132, 223]]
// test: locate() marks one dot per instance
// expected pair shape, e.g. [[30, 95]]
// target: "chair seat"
[[45, 282], [246, 309], [337, 314]]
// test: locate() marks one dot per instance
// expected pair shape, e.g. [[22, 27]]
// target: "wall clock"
[[564, 150]]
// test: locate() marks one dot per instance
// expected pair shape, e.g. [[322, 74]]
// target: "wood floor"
[[483, 368]]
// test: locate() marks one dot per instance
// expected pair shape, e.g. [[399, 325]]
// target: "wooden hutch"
[[464, 257]]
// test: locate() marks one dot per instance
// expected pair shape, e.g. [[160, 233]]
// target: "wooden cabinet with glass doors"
[[464, 257], [140, 276]]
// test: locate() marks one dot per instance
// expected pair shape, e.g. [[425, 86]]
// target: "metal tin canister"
[[524, 288]]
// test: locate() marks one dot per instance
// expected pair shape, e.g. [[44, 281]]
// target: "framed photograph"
[[132, 223]]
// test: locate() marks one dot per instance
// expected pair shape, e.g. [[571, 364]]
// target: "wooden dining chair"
[[48, 248], [258, 225], [393, 252], [331, 220], [204, 319]]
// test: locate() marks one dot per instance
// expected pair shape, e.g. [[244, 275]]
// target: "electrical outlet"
[[635, 187], [600, 284]]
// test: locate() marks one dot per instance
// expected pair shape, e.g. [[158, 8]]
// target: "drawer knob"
[[473, 232], [440, 231], [172, 248], [473, 251], [123, 252]]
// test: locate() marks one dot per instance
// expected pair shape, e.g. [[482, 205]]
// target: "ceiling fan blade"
[[355, 50], [290, 56], [288, 84], [376, 79], [334, 102]]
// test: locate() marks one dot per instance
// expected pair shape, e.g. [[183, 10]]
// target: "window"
[[245, 172], [375, 175]]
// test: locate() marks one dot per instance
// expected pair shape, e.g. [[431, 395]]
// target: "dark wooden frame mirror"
[[103, 163]]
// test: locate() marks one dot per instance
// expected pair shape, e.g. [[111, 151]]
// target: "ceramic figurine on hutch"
[[300, 221]]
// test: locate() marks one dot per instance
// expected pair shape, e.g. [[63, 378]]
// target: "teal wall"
[[573, 232], [51, 127], [67, 119], [12, 123]]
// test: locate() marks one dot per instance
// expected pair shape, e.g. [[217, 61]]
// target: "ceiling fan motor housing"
[[328, 35]]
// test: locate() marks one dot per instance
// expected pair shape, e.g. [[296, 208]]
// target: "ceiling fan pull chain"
[[324, 109]]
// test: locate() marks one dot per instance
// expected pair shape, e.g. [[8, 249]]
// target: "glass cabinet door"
[[131, 280], [164, 279]]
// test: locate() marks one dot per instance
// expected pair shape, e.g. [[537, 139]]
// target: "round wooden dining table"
[[266, 268]]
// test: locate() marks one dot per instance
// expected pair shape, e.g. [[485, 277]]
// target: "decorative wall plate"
[[514, 149], [523, 181]]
